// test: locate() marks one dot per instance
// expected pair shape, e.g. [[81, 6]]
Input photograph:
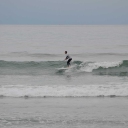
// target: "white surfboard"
[[63, 68]]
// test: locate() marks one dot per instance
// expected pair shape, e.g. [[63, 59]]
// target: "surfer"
[[68, 58]]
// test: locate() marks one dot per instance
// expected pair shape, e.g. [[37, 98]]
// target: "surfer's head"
[[65, 52]]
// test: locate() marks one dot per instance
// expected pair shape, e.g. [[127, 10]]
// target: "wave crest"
[[120, 69]]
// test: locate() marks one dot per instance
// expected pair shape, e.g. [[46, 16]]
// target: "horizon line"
[[63, 24]]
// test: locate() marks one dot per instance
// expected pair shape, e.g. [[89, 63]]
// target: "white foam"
[[89, 67], [116, 89]]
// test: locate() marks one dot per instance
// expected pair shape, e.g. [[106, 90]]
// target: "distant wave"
[[30, 54], [26, 54], [38, 68]]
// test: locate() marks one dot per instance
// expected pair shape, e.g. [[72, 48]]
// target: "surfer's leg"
[[68, 62]]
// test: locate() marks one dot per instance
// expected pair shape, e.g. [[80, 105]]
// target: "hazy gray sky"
[[63, 11]]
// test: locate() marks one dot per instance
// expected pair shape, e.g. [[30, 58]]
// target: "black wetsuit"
[[69, 59]]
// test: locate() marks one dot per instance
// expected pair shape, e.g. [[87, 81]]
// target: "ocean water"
[[31, 55]]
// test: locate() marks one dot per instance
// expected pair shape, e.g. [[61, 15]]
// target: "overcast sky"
[[63, 11]]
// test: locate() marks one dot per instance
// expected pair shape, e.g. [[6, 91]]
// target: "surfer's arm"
[[66, 57]]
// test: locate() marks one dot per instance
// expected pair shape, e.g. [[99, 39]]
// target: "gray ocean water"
[[31, 55], [29, 60]]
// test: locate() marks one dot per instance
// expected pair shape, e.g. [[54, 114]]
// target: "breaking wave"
[[49, 67]]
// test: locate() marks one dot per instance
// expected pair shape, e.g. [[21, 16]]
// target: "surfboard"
[[62, 68]]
